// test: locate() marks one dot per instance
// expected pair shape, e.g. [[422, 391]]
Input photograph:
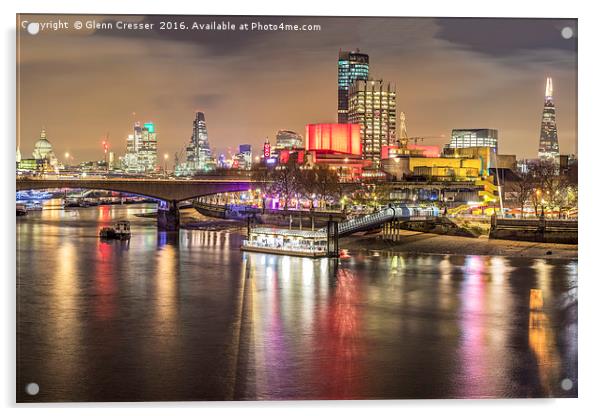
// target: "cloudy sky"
[[449, 73]]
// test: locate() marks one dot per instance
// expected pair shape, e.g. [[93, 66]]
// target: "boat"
[[121, 231], [21, 210], [300, 243], [33, 206]]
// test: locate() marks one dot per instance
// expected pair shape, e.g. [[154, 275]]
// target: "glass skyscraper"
[[141, 149], [198, 152], [548, 138], [352, 66]]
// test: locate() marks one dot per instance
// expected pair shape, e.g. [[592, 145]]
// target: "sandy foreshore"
[[424, 243], [414, 242]]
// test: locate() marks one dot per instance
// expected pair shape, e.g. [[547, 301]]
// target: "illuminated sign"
[[267, 150]]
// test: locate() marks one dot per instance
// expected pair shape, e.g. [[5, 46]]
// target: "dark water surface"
[[191, 317]]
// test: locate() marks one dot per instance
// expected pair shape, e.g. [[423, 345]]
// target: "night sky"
[[449, 73]]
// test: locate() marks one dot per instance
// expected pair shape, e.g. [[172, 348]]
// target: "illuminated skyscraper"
[[352, 66], [372, 106], [198, 152], [548, 138], [141, 149]]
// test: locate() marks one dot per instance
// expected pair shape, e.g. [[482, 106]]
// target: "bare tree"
[[522, 188], [543, 174], [320, 182], [286, 181]]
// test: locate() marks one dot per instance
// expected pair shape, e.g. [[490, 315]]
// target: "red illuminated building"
[[337, 146], [334, 138]]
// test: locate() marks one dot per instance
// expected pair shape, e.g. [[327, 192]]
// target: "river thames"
[[189, 316]]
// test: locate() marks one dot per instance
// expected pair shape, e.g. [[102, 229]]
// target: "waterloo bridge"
[[167, 190]]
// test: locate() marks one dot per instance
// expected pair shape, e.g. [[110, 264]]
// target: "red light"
[[338, 138]]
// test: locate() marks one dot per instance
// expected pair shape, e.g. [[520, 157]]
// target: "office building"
[[352, 66], [198, 152], [287, 139], [141, 149], [461, 138], [372, 106]]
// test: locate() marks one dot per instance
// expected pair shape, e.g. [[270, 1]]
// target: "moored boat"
[[121, 231], [21, 210]]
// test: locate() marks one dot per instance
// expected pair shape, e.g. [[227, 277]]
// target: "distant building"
[[461, 138], [287, 139], [352, 66], [548, 138], [244, 158], [43, 150], [141, 149], [199, 157], [372, 106], [198, 152]]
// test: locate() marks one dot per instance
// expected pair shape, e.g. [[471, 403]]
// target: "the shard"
[[548, 139]]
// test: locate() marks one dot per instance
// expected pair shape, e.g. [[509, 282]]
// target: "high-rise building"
[[199, 157], [287, 139], [353, 66], [198, 152], [244, 158], [461, 138], [372, 106], [548, 138], [141, 149]]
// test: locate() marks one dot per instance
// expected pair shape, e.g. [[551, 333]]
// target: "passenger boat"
[[287, 242], [121, 231]]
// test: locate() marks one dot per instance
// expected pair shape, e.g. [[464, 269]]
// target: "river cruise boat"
[[121, 231], [287, 242]]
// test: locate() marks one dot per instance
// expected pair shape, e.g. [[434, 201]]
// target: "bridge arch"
[[169, 191], [166, 190]]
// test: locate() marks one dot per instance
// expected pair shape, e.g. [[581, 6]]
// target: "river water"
[[191, 317]]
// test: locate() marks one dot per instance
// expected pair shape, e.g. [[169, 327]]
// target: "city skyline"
[[489, 78]]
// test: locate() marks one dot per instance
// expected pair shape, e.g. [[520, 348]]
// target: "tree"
[[320, 182], [543, 174], [522, 188], [286, 181]]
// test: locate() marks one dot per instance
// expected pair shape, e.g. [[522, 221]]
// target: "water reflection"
[[185, 316]]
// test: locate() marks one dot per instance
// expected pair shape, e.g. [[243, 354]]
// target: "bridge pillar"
[[168, 216]]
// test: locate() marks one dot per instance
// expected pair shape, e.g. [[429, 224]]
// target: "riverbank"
[[413, 242], [425, 243]]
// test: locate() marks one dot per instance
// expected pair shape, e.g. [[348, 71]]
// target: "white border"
[[589, 145]]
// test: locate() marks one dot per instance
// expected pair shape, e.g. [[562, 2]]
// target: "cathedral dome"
[[42, 148]]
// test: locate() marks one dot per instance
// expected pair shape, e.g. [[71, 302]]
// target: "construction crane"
[[403, 133], [177, 156], [403, 141]]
